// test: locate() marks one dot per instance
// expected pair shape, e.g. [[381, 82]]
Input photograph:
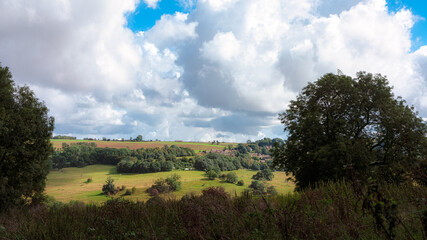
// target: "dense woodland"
[[151, 159]]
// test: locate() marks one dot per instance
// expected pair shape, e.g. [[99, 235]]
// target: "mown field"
[[196, 146], [69, 183]]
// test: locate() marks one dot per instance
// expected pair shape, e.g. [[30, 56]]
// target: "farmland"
[[70, 183], [196, 146]]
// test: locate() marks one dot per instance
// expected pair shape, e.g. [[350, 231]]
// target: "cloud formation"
[[224, 71]]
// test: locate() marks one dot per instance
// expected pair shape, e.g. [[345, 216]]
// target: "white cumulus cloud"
[[223, 71]]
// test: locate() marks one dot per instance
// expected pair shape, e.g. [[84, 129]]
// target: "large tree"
[[340, 127], [25, 131]]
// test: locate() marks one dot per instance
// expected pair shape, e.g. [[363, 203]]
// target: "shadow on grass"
[[112, 171], [96, 194]]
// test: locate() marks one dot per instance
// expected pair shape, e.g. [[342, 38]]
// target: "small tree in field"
[[232, 177], [266, 174], [169, 184], [211, 174], [109, 188], [341, 127]]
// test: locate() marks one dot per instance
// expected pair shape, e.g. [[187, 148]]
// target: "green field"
[[69, 183]]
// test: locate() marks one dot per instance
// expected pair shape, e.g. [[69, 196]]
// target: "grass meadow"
[[70, 183]]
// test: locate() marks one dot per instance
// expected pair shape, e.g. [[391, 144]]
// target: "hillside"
[[196, 146]]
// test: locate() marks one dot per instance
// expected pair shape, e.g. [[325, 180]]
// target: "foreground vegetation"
[[71, 183], [331, 211]]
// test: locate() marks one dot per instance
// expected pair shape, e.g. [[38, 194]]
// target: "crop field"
[[70, 183], [196, 146]]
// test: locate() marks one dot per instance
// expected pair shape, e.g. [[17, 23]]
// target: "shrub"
[[109, 188], [173, 182], [89, 180], [211, 174], [133, 190], [128, 192], [266, 174], [232, 177], [258, 187], [240, 183], [169, 184], [123, 188]]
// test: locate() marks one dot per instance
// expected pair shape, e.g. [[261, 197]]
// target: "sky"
[[202, 70]]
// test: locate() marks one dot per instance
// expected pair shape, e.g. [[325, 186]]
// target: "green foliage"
[[333, 210], [64, 137], [169, 184], [222, 162], [266, 174], [258, 187], [138, 138], [241, 183], [109, 188], [25, 132], [211, 174], [255, 166], [173, 182], [341, 127], [127, 160], [231, 177]]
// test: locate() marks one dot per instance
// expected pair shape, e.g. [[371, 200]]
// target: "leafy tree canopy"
[[266, 174], [25, 132], [341, 127]]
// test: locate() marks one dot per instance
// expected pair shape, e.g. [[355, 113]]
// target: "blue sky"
[[418, 8], [144, 17], [206, 70]]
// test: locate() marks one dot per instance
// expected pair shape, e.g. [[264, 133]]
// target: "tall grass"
[[330, 211]]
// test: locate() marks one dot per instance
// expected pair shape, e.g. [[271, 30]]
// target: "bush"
[[89, 180], [240, 183], [257, 187], [266, 174], [109, 188], [173, 182], [211, 174], [169, 184], [232, 177], [133, 190], [123, 188], [128, 192]]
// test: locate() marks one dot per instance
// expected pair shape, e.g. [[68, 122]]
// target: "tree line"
[[151, 159], [83, 154]]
